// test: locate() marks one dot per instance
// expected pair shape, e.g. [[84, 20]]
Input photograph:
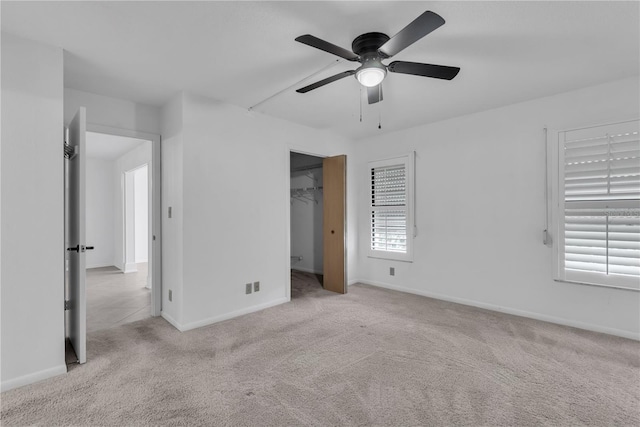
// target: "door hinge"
[[69, 151], [67, 305]]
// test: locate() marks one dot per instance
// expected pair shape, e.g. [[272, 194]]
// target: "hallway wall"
[[100, 212], [137, 157], [141, 213]]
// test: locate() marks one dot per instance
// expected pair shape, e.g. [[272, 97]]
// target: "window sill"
[[599, 285]]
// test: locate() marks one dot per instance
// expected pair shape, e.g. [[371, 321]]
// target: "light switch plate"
[[256, 286], [247, 288]]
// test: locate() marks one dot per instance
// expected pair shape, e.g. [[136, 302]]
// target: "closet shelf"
[[305, 189]]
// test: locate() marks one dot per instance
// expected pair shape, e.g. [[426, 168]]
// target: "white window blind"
[[600, 225], [391, 225]]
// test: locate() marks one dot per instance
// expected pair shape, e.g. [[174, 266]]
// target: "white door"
[[77, 244]]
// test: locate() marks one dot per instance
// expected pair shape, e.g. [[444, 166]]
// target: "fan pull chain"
[[360, 103], [379, 107]]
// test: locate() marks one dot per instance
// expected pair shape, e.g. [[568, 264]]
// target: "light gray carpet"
[[372, 357]]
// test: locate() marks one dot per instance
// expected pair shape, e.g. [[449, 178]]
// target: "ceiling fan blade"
[[420, 27], [374, 94], [425, 70], [312, 41], [323, 82]]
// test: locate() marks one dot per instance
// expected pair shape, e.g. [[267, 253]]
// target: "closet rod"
[[306, 168]]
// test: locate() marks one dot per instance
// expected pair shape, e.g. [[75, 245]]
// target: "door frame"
[[156, 209], [303, 150]]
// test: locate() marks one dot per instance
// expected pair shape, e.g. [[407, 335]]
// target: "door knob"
[[80, 248]]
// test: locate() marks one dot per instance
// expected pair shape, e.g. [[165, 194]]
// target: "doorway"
[[118, 284], [317, 221], [117, 279], [307, 204]]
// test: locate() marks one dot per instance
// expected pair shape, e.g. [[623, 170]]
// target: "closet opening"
[[307, 204]]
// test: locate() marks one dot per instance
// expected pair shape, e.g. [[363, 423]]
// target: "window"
[[599, 205], [391, 204]]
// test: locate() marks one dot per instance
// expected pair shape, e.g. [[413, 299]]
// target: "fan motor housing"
[[368, 43]]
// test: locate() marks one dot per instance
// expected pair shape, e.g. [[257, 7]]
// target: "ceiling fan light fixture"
[[371, 75], [370, 49]]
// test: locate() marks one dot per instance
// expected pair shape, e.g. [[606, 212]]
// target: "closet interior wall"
[[306, 213]]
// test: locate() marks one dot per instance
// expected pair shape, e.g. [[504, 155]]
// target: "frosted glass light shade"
[[370, 77]]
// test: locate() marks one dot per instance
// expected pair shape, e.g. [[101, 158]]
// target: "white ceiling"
[[110, 147], [244, 52]]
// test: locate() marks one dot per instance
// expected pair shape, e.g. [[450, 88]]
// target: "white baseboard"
[[171, 320], [522, 313], [130, 267], [33, 378], [98, 266], [231, 315], [306, 270]]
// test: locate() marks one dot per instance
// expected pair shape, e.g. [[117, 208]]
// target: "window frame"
[[557, 216], [408, 160]]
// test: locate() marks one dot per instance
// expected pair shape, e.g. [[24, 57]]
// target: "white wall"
[[235, 207], [112, 112], [481, 211], [100, 213], [141, 213], [306, 223], [133, 159], [172, 185], [32, 330]]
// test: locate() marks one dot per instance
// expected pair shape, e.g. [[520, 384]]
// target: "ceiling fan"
[[371, 48]]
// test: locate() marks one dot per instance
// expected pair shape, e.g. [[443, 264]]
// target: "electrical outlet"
[[247, 288], [392, 271], [170, 295], [256, 286]]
